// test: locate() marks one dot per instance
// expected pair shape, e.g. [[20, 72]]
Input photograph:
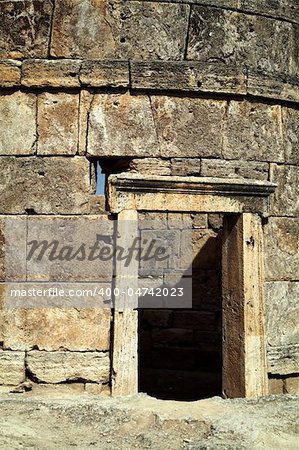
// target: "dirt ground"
[[47, 422]]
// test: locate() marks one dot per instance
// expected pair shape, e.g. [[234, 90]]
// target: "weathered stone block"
[[188, 126], [185, 166], [286, 9], [241, 39], [275, 386], [130, 30], [10, 73], [18, 124], [118, 125], [234, 169], [44, 73], [58, 367], [290, 117], [25, 28], [12, 367], [105, 73], [44, 185], [285, 201], [282, 312], [56, 328], [292, 385], [277, 86], [250, 131], [150, 166], [13, 232], [57, 124], [188, 76], [282, 249], [283, 360]]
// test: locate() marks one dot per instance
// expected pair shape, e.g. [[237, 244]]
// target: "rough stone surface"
[[282, 249], [44, 185], [282, 312], [285, 201], [53, 329], [188, 127], [275, 386], [18, 125], [150, 166], [292, 385], [290, 117], [43, 73], [278, 86], [241, 39], [25, 28], [234, 169], [105, 73], [12, 367], [283, 360], [188, 76], [130, 30], [118, 125], [56, 367], [251, 130], [57, 124], [185, 166], [10, 73]]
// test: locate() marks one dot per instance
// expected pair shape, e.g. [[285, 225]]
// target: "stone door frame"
[[244, 203]]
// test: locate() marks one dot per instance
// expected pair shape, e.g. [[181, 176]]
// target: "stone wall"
[[208, 88]]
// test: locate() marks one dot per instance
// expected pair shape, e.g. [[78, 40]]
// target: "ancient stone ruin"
[[190, 110]]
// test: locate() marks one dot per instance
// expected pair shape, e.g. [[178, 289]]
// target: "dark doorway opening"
[[180, 351]]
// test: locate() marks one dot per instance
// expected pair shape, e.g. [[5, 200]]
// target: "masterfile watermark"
[[96, 262]]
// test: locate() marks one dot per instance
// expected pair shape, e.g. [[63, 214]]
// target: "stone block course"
[[25, 28], [12, 367], [104, 74], [45, 185], [57, 122], [130, 30], [18, 124], [251, 130], [58, 367], [185, 166], [282, 249], [10, 73]]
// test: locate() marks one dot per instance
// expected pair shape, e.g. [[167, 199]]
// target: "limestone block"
[[122, 30], [282, 312], [13, 232], [251, 130], [234, 169], [282, 249], [12, 367], [188, 126], [188, 76], [44, 73], [285, 201], [118, 125], [10, 73], [18, 124], [53, 329], [292, 385], [44, 185], [105, 73], [241, 39], [58, 367], [275, 386], [25, 28], [283, 360], [185, 166], [57, 122], [150, 166], [290, 117], [277, 86], [286, 9]]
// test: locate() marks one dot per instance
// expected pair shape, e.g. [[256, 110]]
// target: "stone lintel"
[[196, 194]]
